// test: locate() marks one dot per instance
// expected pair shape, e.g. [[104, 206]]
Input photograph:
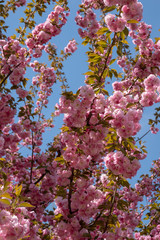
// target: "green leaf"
[[119, 52], [112, 61], [89, 73], [105, 91], [108, 34], [86, 41], [122, 205], [5, 201], [105, 73], [21, 19], [4, 176], [122, 35], [25, 237], [95, 59], [102, 43], [132, 21], [6, 195], [144, 150], [124, 182], [114, 72], [69, 95], [109, 9], [58, 216], [30, 5], [59, 159], [7, 183], [64, 129], [100, 49], [102, 31], [110, 74], [18, 190], [130, 105], [96, 90], [90, 80], [131, 145], [109, 41], [25, 204], [126, 31], [157, 39]]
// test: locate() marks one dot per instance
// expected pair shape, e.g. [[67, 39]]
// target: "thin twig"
[[70, 192], [143, 135], [32, 161], [108, 53], [111, 209], [42, 176], [10, 72]]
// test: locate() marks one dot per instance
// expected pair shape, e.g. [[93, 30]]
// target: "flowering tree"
[[84, 170]]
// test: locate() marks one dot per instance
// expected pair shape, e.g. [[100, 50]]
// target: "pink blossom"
[[20, 3], [151, 82], [71, 47], [148, 98], [154, 130], [132, 11], [30, 43], [115, 24], [22, 93]]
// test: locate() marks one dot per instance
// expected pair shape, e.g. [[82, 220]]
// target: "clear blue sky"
[[76, 65]]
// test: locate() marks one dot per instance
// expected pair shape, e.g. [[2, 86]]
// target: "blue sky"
[[76, 65]]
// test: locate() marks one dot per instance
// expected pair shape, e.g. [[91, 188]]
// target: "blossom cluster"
[[89, 22], [120, 164], [14, 61], [127, 124], [130, 10], [71, 47], [13, 227], [84, 171], [115, 24], [7, 113], [45, 31]]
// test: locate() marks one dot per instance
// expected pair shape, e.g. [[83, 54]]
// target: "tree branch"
[[70, 192], [111, 209], [32, 161], [108, 53], [5, 78], [143, 135], [42, 176]]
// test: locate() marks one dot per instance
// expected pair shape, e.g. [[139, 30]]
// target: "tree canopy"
[[77, 188]]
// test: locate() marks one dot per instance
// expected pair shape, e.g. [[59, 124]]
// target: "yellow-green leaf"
[[59, 159], [6, 195], [6, 185], [18, 190], [5, 201], [89, 73], [58, 216], [112, 61], [25, 204], [126, 32], [25, 237], [105, 92], [65, 129], [102, 31], [131, 145], [102, 43], [132, 21]]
